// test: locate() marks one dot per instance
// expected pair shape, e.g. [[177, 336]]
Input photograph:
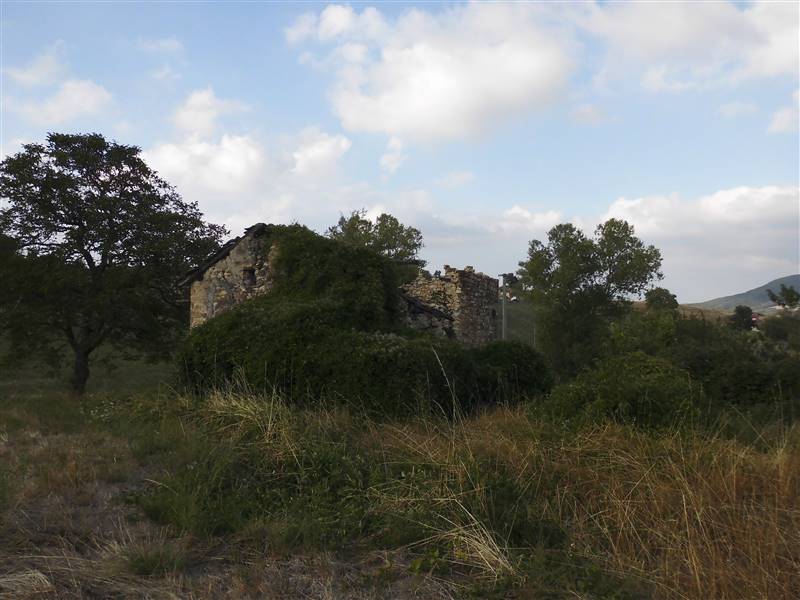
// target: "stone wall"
[[423, 317], [461, 304], [469, 297], [243, 272]]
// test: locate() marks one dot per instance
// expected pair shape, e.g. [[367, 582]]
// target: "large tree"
[[386, 235], [578, 284], [93, 241]]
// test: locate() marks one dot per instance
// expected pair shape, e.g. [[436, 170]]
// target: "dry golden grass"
[[690, 515], [693, 515]]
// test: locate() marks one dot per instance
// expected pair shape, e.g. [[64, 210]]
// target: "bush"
[[510, 370], [632, 388], [783, 328], [735, 367], [330, 328]]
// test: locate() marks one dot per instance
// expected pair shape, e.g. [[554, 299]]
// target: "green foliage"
[[735, 367], [784, 328], [660, 299], [386, 236], [787, 296], [742, 318], [330, 328], [631, 388], [652, 332], [579, 283], [510, 370], [97, 241]]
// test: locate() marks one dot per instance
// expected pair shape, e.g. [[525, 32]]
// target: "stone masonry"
[[461, 304], [467, 296], [240, 270]]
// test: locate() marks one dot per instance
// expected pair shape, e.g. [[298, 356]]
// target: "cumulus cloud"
[[318, 152], [73, 99], [393, 158], [239, 179], [338, 21], [231, 177], [520, 219], [733, 239], [438, 76], [229, 165], [786, 119], [46, 68], [678, 46], [199, 113]]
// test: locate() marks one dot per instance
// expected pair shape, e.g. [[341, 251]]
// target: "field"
[[138, 491]]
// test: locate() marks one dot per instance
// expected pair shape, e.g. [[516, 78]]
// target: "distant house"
[[459, 304]]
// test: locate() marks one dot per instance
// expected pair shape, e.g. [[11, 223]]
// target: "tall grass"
[[503, 498]]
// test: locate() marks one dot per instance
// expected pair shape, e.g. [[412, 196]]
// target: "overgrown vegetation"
[[312, 423], [505, 503], [330, 327]]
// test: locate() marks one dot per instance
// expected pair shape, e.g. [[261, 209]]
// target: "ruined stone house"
[[460, 304]]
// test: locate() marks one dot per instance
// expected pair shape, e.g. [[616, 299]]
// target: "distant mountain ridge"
[[756, 298]]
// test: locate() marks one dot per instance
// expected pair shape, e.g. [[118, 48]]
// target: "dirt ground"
[[68, 529]]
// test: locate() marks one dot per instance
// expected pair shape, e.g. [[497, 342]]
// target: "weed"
[[154, 558]]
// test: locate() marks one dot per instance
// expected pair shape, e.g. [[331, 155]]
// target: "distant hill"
[[756, 298]]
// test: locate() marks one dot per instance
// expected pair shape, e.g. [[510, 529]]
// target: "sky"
[[483, 125]]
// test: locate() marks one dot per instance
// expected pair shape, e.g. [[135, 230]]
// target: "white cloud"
[[46, 68], [164, 73], [161, 45], [455, 179], [230, 165], [677, 46], [520, 219], [199, 114], [725, 242], [337, 21], [393, 158], [238, 180], [318, 152], [589, 114], [786, 119], [73, 99], [446, 75], [737, 109], [303, 28]]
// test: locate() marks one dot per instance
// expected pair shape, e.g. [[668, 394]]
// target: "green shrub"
[[783, 328], [734, 367], [508, 371], [632, 388], [330, 328]]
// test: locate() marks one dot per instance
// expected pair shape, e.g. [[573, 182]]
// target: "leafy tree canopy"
[[578, 282], [660, 298], [94, 242], [787, 296], [386, 235], [742, 318]]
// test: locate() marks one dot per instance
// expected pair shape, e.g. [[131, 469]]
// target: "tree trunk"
[[80, 371]]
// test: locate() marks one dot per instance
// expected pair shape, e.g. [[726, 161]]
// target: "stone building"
[[460, 304], [468, 298]]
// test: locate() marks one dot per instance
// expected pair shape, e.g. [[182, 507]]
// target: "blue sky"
[[481, 124]]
